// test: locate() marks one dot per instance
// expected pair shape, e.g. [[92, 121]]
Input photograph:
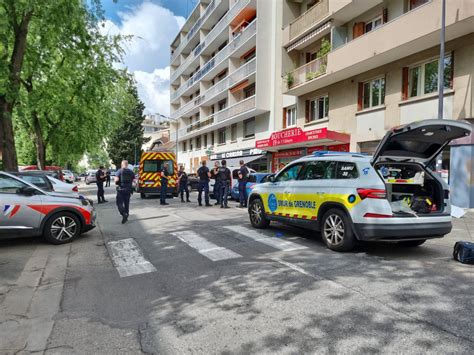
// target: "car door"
[[278, 192], [313, 187], [15, 213]]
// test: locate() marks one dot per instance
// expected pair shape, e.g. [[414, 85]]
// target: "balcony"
[[214, 62], [307, 21], [211, 36], [380, 46], [239, 111], [195, 29], [307, 72]]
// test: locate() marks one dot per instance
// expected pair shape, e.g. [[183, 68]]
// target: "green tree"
[[127, 139]]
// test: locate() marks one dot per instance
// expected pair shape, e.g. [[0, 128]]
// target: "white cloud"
[[153, 28]]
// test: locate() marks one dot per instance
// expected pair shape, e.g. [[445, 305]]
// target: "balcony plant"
[[325, 48], [290, 80]]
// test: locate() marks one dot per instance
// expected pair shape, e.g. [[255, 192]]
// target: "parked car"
[[90, 177], [68, 176], [235, 176], [57, 170], [30, 211], [349, 197], [253, 179], [60, 186]]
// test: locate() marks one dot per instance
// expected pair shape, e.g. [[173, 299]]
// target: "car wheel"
[[62, 227], [336, 230], [412, 243], [257, 214]]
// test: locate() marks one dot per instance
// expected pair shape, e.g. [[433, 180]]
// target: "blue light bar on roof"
[[322, 153]]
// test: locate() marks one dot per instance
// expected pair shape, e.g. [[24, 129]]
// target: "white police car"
[[392, 196]]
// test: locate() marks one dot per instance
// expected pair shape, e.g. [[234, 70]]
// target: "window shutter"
[[358, 29], [405, 83], [451, 78], [307, 117], [360, 94], [284, 117], [385, 15]]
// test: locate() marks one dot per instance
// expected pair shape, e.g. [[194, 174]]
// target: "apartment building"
[[356, 68], [226, 81]]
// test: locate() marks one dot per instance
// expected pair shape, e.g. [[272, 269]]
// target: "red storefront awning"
[[296, 135]]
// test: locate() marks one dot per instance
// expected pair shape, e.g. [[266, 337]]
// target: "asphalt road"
[[186, 279]]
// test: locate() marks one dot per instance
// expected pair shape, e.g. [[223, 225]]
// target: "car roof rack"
[[322, 153]]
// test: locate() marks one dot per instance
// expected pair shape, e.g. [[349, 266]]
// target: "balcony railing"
[[218, 58], [195, 28], [223, 85], [234, 110], [308, 19], [307, 72]]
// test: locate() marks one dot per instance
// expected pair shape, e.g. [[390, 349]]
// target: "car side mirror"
[[27, 191], [271, 179]]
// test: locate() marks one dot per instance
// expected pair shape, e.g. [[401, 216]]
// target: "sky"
[[153, 24]]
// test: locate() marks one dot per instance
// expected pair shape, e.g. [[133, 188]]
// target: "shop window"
[[422, 79], [290, 173], [249, 91], [249, 128], [346, 170], [373, 93], [233, 132], [317, 109], [290, 116], [319, 170], [221, 136]]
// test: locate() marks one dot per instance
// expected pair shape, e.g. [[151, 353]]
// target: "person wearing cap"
[[99, 180]]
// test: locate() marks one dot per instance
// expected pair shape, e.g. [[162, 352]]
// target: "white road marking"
[[205, 247], [128, 258], [274, 242]]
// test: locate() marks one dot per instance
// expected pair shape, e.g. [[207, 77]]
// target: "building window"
[[205, 140], [415, 3], [374, 93], [249, 90], [184, 146], [249, 55], [373, 24], [291, 116], [233, 132], [249, 128], [212, 138], [198, 142], [191, 144], [222, 104], [423, 78], [318, 108], [221, 136]]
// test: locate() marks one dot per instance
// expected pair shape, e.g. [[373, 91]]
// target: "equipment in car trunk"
[[464, 252]]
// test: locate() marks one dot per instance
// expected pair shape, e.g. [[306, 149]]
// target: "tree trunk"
[[39, 142], [7, 102]]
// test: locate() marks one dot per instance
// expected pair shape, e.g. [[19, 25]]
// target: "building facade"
[[355, 69], [226, 80]]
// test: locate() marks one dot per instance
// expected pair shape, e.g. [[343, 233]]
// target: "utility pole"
[[442, 38]]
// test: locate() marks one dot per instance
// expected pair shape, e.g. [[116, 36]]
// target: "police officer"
[[225, 181], [204, 175], [164, 185], [243, 178], [107, 178], [99, 180], [124, 180], [183, 184], [217, 184]]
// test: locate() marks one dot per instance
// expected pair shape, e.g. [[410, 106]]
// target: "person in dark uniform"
[[183, 184], [204, 175], [243, 178], [107, 178], [124, 180], [217, 184], [164, 185], [99, 180], [225, 181]]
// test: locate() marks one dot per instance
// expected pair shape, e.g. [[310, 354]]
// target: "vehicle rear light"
[[75, 189], [377, 215], [372, 193]]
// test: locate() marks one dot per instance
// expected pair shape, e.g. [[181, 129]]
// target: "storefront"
[[292, 143], [254, 158]]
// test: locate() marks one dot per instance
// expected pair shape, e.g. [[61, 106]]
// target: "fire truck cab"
[[152, 164]]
